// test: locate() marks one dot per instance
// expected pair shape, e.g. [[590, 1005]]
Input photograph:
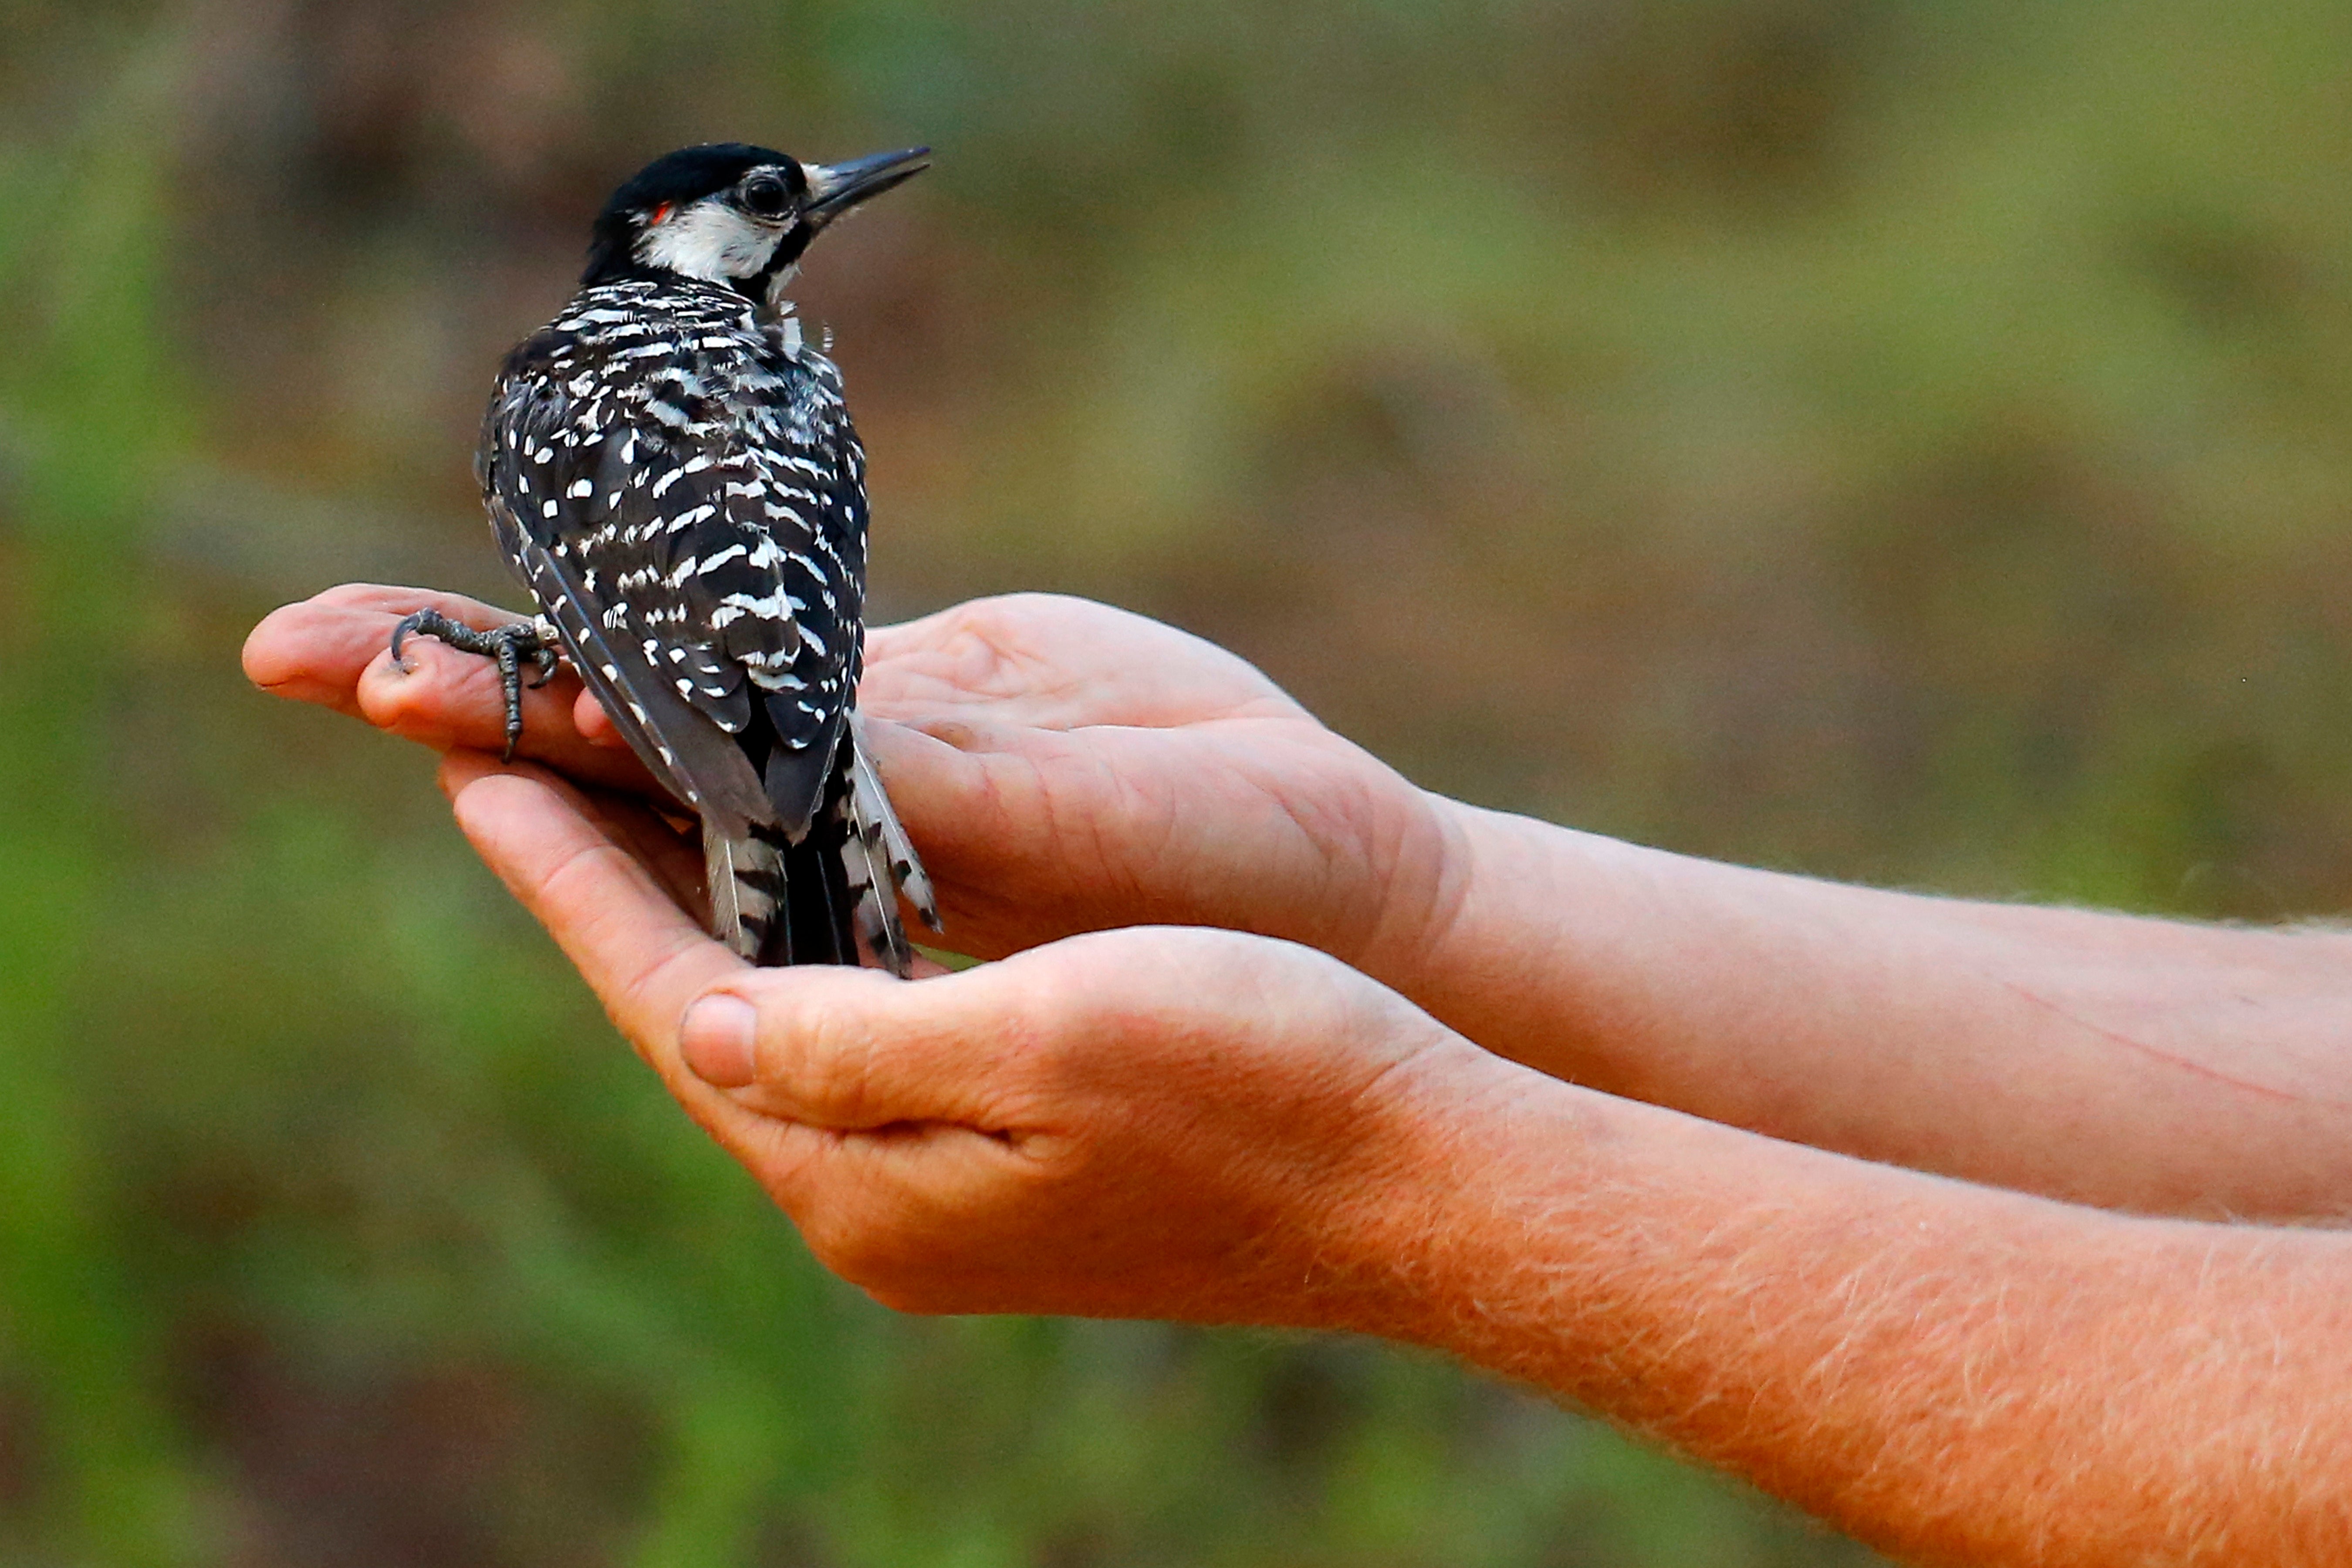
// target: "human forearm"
[[1952, 1373], [2129, 1063]]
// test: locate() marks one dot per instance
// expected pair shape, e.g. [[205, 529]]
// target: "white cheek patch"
[[712, 241]]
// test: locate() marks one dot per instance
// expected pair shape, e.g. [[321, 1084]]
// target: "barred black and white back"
[[671, 469]]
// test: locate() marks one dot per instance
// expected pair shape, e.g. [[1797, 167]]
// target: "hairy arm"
[[1952, 1373], [1199, 1124]]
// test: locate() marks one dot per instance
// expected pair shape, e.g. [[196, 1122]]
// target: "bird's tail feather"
[[746, 877], [882, 865], [818, 906], [873, 823], [776, 902], [832, 898]]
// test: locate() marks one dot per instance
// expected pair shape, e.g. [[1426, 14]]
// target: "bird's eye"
[[765, 196]]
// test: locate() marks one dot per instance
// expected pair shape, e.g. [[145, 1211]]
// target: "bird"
[[670, 469]]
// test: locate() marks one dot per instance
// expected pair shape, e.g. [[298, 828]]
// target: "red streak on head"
[[661, 212]]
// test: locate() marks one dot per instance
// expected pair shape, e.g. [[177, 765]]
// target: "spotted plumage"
[[670, 469]]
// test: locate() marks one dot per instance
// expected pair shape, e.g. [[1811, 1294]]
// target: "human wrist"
[[1486, 949], [1419, 873], [1564, 950]]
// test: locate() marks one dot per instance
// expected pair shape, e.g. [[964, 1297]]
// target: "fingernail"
[[717, 1039]]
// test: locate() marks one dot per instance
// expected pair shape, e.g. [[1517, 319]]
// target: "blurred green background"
[[1898, 440]]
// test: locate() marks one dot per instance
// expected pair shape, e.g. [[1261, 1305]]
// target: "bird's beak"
[[834, 188]]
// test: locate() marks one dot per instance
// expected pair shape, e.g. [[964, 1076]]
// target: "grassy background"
[[1898, 440]]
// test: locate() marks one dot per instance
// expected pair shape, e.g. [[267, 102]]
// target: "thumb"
[[858, 1050]]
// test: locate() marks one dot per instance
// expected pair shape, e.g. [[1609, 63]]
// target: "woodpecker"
[[670, 469]]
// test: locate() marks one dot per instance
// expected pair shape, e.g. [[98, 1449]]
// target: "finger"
[[1057, 662], [1000, 1049], [984, 809], [855, 1050], [596, 725], [641, 954], [671, 853], [314, 651], [447, 699], [334, 650], [393, 599], [1033, 835], [671, 850]]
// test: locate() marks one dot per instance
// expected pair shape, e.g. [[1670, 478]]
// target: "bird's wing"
[[693, 520]]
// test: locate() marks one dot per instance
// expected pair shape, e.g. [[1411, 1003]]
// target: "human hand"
[[1171, 1123], [1062, 766], [1065, 767], [335, 649]]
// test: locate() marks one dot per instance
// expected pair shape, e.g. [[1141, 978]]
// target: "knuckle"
[[818, 1052], [644, 996], [1053, 1007]]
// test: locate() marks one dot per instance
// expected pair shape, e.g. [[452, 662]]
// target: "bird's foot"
[[510, 645]]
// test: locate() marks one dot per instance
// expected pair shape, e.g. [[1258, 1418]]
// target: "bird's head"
[[732, 215]]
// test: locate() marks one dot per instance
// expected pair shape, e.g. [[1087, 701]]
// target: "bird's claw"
[[509, 645], [546, 656]]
